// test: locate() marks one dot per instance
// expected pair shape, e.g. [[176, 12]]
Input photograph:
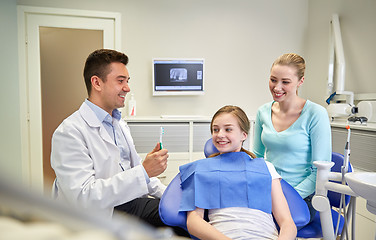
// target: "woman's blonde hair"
[[292, 59], [242, 119]]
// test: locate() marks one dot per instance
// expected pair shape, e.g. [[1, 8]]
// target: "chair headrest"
[[209, 148]]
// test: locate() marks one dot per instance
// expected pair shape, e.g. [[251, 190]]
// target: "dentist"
[[93, 155]]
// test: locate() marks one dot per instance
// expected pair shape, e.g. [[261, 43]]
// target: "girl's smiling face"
[[226, 133]]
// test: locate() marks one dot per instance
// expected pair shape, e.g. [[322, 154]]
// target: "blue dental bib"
[[227, 180]]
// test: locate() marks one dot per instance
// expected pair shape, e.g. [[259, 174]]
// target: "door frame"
[[30, 88]]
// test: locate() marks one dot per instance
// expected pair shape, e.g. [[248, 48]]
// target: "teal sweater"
[[294, 150]]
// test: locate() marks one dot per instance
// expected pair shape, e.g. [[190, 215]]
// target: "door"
[[43, 68], [62, 56]]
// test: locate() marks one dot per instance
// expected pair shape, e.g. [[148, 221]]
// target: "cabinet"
[[362, 144], [363, 158], [184, 137]]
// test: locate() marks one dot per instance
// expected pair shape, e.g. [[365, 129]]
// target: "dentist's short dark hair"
[[97, 64]]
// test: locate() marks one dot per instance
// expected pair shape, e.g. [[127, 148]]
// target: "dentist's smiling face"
[[226, 133], [284, 82], [115, 87]]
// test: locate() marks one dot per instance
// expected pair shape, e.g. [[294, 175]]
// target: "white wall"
[[238, 39], [358, 21], [10, 156]]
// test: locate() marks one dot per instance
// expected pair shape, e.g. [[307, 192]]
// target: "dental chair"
[[170, 201], [314, 230]]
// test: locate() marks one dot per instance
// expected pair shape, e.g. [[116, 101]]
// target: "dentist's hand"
[[155, 162]]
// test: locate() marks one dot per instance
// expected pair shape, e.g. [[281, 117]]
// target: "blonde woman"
[[292, 132]]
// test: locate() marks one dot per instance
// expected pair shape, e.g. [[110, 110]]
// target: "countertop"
[[371, 126]]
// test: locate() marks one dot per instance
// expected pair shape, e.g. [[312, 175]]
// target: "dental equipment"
[[344, 170], [321, 202], [346, 154], [337, 65]]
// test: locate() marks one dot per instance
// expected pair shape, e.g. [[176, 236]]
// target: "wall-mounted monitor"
[[178, 76]]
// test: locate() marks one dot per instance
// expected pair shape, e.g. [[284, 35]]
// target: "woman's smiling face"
[[284, 82]]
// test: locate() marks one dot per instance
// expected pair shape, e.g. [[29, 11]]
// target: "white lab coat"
[[86, 163]]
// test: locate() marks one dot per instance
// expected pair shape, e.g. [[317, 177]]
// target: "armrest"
[[298, 207], [170, 203]]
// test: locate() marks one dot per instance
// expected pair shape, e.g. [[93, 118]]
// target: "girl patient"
[[240, 191]]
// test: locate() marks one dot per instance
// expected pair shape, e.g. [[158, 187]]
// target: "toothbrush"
[[161, 132]]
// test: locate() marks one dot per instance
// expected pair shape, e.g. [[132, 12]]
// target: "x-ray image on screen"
[[178, 75]]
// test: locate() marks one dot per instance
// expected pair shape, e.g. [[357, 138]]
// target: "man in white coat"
[[93, 154]]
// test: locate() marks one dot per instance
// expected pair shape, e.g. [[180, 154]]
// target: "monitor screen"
[[178, 77]]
